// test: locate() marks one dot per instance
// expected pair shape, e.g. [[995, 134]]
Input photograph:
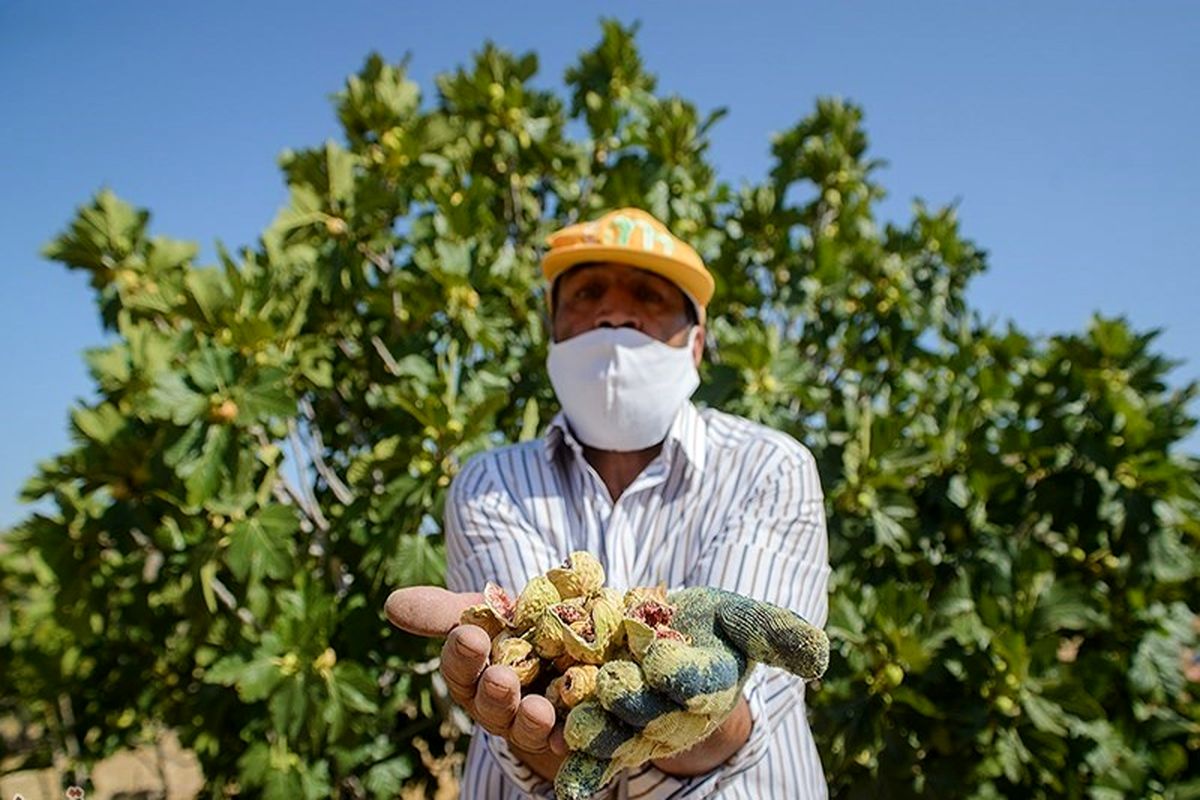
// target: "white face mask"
[[619, 388]]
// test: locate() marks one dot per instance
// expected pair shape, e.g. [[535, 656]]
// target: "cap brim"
[[695, 284]]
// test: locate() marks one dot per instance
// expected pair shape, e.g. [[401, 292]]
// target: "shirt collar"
[[686, 434]]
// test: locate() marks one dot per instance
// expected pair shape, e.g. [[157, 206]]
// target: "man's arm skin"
[[720, 745]]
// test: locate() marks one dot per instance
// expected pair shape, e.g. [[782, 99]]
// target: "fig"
[[539, 594], [579, 576]]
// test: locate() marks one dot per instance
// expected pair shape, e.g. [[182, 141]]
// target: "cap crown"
[[630, 236]]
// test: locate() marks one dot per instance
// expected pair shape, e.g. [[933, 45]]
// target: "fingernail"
[[465, 649], [496, 690]]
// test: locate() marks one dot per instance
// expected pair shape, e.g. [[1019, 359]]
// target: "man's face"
[[610, 295]]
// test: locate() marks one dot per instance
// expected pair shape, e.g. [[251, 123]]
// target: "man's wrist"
[[544, 763], [715, 750]]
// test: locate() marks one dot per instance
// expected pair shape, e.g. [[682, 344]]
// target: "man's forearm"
[[720, 745]]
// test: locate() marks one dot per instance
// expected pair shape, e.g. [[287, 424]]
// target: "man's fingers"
[[775, 636], [464, 657], [428, 610], [496, 699], [532, 725]]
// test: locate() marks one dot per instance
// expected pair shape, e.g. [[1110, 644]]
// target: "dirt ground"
[[165, 772]]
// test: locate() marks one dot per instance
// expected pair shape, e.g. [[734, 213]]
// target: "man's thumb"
[[428, 610]]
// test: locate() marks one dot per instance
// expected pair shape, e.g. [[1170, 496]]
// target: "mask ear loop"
[[710, 342], [711, 352]]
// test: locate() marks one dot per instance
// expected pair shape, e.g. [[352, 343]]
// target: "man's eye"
[[589, 292], [647, 295]]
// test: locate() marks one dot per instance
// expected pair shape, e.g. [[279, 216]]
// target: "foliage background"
[[1014, 535]]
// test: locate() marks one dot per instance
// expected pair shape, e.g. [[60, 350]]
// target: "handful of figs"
[[566, 623]]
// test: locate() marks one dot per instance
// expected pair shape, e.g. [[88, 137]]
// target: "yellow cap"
[[630, 236]]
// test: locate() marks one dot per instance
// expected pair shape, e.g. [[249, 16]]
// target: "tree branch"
[[285, 492], [389, 360], [316, 448], [70, 740], [317, 517], [384, 264], [230, 602]]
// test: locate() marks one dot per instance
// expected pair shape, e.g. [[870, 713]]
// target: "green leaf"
[[888, 532], [453, 258], [103, 234], [267, 397], [418, 560], [378, 98], [164, 256], [185, 446], [341, 172], [918, 702], [314, 781], [314, 364], [262, 544], [1188, 790], [109, 366], [208, 573], [255, 764], [1012, 753], [355, 687], [415, 367], [386, 779], [958, 493], [212, 369], [150, 351], [283, 784], [171, 398], [529, 421], [1044, 714], [1067, 606], [257, 679], [226, 671], [1170, 560], [1155, 670], [101, 424], [208, 288], [204, 473], [288, 706], [334, 715]]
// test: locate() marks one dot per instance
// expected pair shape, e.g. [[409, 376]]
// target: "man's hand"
[[491, 695]]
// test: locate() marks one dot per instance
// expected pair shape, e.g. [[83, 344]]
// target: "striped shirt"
[[727, 503]]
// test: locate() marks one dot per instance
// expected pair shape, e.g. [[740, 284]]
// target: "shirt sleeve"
[[514, 769], [774, 547], [489, 539]]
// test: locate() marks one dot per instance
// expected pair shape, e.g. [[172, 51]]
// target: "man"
[[659, 492]]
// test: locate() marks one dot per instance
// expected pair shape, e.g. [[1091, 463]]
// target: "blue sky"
[[1065, 131]]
